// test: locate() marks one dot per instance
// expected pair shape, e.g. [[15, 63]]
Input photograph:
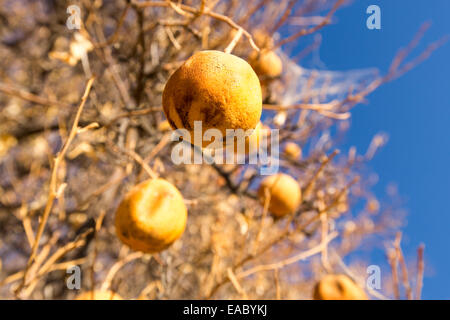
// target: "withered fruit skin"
[[214, 87], [98, 295], [285, 194], [151, 216], [338, 287]]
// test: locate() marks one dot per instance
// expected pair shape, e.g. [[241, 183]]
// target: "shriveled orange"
[[151, 216], [293, 151], [284, 192], [214, 87], [338, 287]]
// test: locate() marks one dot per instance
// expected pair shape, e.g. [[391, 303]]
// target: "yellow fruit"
[[151, 216], [285, 194], [338, 287], [266, 63], [214, 87], [98, 295], [293, 151]]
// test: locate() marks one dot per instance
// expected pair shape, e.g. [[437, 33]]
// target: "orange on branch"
[[214, 87], [284, 192], [292, 151], [151, 216], [266, 63]]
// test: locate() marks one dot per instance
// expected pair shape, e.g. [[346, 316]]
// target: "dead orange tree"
[[86, 171]]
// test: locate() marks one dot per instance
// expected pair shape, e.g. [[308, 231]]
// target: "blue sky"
[[414, 110]]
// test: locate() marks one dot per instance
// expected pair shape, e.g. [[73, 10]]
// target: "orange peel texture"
[[214, 87]]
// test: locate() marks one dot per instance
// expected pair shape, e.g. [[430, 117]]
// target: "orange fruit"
[[214, 87], [151, 216], [285, 194], [293, 151]]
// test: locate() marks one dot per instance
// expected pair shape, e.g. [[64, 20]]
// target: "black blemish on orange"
[[183, 110], [216, 118], [339, 286], [208, 112]]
